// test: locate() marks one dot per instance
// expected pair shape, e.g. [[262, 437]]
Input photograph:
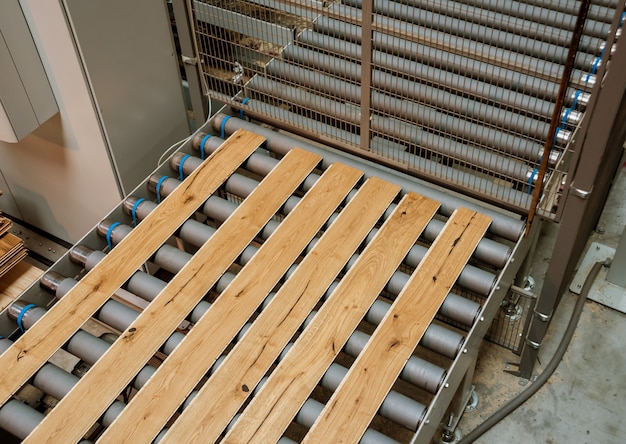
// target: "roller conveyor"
[[461, 94], [425, 369], [262, 288]]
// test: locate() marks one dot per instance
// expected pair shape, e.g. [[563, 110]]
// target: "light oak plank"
[[223, 394], [121, 362], [18, 279], [33, 348], [270, 412], [358, 397], [190, 361]]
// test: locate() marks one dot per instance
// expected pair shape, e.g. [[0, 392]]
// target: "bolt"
[[599, 230]]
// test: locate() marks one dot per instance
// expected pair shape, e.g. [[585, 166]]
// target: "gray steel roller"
[[412, 69], [172, 259], [550, 64], [503, 225], [484, 71], [435, 169], [426, 116], [508, 166], [485, 26]]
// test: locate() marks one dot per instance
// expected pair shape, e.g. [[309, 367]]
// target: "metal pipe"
[[546, 42], [478, 88], [503, 225], [427, 116], [503, 76], [57, 382], [488, 250], [442, 145], [549, 65], [172, 259], [519, 19]]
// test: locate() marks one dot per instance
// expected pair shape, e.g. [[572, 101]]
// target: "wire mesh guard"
[[460, 93]]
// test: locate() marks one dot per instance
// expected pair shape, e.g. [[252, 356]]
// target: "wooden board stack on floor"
[[12, 249], [15, 274]]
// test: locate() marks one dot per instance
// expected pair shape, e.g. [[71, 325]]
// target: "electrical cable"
[[522, 397], [180, 143]]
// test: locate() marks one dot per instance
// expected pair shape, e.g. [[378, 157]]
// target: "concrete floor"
[[585, 399]]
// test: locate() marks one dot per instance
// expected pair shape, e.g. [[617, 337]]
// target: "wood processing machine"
[[321, 260]]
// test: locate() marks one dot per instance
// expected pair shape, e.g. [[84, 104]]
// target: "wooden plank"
[[222, 395], [18, 279], [35, 346], [270, 412], [211, 335], [123, 360], [358, 397]]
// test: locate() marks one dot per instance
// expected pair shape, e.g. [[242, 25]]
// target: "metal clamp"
[[190, 60], [583, 194], [542, 316], [533, 344]]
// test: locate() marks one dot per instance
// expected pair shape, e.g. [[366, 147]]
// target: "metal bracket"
[[542, 316], [533, 344], [190, 60], [583, 194]]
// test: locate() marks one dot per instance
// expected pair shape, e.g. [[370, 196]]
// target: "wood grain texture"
[[271, 411], [190, 361], [33, 348], [18, 279], [106, 378], [223, 394], [358, 397]]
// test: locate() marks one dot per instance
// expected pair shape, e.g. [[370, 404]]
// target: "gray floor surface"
[[585, 400]]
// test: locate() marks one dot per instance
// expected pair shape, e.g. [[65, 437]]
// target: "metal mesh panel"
[[460, 93]]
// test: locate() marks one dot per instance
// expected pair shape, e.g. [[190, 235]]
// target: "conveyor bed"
[[296, 297]]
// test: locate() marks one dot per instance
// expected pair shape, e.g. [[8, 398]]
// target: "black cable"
[[522, 397]]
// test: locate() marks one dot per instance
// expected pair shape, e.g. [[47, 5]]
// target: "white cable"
[[180, 143]]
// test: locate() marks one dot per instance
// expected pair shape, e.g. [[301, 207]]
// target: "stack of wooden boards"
[[155, 407], [12, 249], [15, 275]]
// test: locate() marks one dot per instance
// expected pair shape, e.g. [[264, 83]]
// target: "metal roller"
[[312, 409], [437, 169], [19, 419], [506, 165], [503, 225], [517, 18], [546, 89], [542, 66], [412, 69], [57, 382], [489, 251], [547, 42], [172, 259], [431, 117], [454, 307], [436, 337], [419, 91]]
